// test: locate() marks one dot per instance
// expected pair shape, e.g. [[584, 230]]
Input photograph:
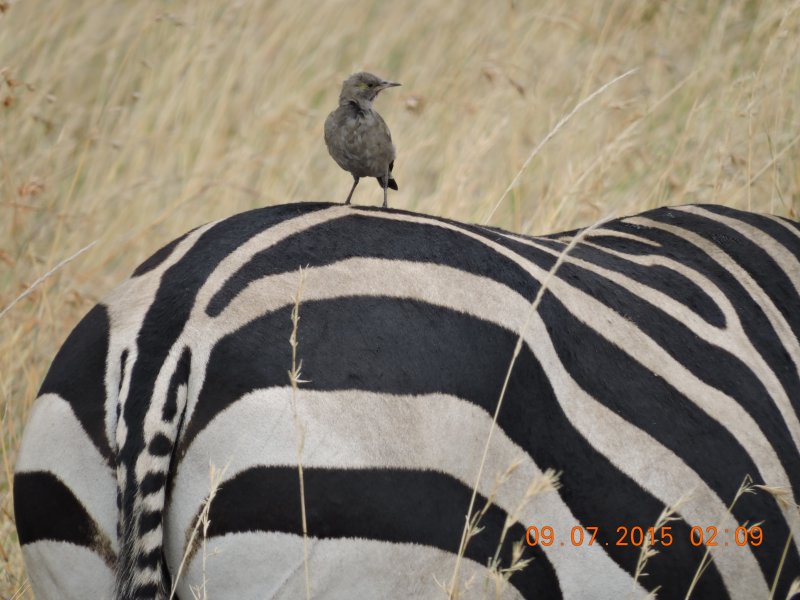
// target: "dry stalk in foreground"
[[215, 479], [452, 589], [783, 497], [546, 482], [474, 526], [647, 552], [294, 378], [746, 487], [780, 569]]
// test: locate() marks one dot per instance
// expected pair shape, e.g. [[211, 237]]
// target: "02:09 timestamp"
[[636, 536]]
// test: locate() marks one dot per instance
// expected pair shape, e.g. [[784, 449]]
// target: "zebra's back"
[[659, 368]]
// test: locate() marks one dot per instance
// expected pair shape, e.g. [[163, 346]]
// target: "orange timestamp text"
[[637, 536]]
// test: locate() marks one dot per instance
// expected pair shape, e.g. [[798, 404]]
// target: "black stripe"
[[123, 366], [146, 591], [363, 236], [614, 242], [150, 560], [149, 521], [46, 509], [419, 507], [77, 375], [160, 445], [152, 483], [179, 377], [374, 344]]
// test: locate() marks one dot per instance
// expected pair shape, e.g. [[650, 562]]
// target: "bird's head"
[[363, 88]]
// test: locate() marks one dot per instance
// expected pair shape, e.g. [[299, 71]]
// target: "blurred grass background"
[[131, 122]]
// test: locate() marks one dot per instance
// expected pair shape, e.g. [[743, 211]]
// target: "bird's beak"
[[388, 84]]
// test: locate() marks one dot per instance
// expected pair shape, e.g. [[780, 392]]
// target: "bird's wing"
[[383, 126]]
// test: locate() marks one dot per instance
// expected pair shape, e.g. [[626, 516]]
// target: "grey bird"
[[356, 135]]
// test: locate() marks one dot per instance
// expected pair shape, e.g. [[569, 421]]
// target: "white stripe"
[[255, 566], [63, 571]]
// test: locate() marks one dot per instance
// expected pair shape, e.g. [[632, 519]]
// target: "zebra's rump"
[[658, 367]]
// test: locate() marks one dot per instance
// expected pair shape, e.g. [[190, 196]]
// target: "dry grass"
[[201, 526], [295, 378], [648, 549], [746, 487], [129, 123]]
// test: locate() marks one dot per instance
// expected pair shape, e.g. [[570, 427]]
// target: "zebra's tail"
[[147, 440]]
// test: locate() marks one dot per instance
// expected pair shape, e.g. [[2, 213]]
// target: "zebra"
[[659, 369]]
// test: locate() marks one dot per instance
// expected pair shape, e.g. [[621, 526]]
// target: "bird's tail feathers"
[[392, 185]]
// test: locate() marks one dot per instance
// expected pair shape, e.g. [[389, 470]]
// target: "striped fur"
[[663, 360]]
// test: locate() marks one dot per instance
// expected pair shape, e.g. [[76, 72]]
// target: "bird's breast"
[[359, 142]]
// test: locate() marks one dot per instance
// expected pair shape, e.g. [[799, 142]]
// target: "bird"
[[357, 136]]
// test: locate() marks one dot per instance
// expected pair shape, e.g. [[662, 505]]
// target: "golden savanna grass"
[[130, 122]]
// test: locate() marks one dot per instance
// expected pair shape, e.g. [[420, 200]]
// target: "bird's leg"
[[385, 188], [352, 189]]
